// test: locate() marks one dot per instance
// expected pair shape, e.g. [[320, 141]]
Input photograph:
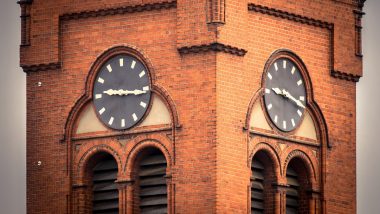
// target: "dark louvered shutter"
[[292, 198], [105, 192], [153, 192], [257, 188]]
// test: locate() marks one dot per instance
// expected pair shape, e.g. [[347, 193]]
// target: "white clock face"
[[285, 94]]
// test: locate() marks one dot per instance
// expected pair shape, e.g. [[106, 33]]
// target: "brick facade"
[[206, 60]]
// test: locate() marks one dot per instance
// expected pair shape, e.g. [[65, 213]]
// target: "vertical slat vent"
[[153, 191], [257, 188], [292, 196], [105, 192]]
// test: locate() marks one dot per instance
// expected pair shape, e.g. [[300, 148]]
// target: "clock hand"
[[288, 95], [278, 91], [122, 92]]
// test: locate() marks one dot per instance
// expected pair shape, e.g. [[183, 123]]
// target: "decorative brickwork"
[[206, 61], [217, 47]]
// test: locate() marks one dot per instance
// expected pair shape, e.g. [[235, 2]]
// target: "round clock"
[[121, 92], [285, 94]]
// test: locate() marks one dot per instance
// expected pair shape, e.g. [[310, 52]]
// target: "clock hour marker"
[[146, 88], [142, 73], [267, 90], [269, 106], [299, 112], [98, 96], [142, 104], [109, 68], [100, 80], [101, 111], [134, 116], [275, 66], [284, 64], [110, 121], [293, 69], [269, 75], [121, 62], [284, 124], [122, 122], [293, 123], [299, 82], [275, 119], [133, 64], [302, 98]]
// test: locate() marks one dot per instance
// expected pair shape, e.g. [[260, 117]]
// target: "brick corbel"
[[345, 76], [215, 46], [41, 67]]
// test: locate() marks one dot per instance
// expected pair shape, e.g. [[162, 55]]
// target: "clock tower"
[[181, 106]]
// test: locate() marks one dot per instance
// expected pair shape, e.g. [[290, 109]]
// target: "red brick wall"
[[210, 89]]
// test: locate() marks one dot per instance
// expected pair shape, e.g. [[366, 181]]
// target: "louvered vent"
[[153, 192], [292, 198], [257, 188], [105, 192]]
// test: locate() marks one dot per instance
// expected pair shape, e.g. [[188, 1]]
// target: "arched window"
[[105, 197], [152, 189], [297, 198], [263, 176]]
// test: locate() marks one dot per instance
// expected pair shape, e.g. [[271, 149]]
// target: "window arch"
[[263, 176], [297, 198], [150, 175]]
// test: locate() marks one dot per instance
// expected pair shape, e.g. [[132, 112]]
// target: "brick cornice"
[[289, 16], [41, 67], [25, 2], [120, 10], [216, 46], [345, 76]]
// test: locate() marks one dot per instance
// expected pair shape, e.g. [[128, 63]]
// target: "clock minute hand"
[[137, 92], [288, 95], [122, 92]]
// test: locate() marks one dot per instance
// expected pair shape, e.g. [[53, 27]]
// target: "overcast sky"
[[13, 110]]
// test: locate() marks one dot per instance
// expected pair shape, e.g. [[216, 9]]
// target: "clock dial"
[[121, 92], [285, 94]]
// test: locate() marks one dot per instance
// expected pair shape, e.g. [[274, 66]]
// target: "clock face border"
[[98, 65], [289, 55]]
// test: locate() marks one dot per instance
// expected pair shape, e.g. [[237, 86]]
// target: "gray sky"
[[13, 110]]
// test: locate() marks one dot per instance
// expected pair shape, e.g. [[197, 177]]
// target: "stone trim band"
[[215, 46]]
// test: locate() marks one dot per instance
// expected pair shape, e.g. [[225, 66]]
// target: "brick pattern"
[[209, 70]]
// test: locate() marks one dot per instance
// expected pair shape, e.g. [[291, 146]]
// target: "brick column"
[[170, 193], [80, 199], [122, 186], [314, 202], [280, 198]]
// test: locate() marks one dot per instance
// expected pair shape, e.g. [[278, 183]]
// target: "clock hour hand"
[[278, 91], [288, 95], [122, 92]]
